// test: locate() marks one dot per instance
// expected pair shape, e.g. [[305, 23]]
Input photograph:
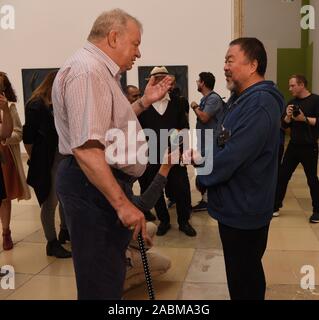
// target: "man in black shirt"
[[301, 117], [167, 114]]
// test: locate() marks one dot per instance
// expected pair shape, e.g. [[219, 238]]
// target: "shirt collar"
[[165, 98], [103, 57]]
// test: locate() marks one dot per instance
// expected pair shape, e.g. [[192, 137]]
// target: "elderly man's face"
[[133, 94], [128, 46], [237, 68]]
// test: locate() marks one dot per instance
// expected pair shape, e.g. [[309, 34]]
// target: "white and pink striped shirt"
[[88, 102]]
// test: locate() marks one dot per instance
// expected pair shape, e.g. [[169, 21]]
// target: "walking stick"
[[146, 267]]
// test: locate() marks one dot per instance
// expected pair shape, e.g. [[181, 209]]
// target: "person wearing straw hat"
[[167, 114]]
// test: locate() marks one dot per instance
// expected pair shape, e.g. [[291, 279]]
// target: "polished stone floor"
[[197, 270]]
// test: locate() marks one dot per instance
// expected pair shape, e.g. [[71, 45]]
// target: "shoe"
[[7, 240], [276, 214], [314, 218], [188, 230], [170, 204], [63, 236], [55, 249], [201, 206], [163, 228], [149, 216]]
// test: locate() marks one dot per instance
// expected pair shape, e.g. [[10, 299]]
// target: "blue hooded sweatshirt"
[[242, 185]]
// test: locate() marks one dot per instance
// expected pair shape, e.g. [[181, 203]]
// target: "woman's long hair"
[[43, 91], [6, 87]]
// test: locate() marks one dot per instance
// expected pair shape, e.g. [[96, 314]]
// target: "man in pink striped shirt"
[[88, 101]]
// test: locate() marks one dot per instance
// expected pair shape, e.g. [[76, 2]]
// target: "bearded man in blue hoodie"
[[241, 187]]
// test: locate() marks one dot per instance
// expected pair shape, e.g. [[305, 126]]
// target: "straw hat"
[[158, 72]]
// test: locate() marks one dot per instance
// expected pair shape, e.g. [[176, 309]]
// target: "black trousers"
[[307, 155], [243, 251], [99, 240], [179, 187]]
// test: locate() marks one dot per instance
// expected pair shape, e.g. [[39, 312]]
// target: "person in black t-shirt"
[[301, 117]]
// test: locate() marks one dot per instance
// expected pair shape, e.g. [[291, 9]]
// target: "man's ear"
[[254, 66], [112, 38]]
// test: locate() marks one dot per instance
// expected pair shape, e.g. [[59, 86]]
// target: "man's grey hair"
[[115, 19]]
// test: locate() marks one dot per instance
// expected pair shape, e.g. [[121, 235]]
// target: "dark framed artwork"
[[31, 79], [180, 73], [123, 80]]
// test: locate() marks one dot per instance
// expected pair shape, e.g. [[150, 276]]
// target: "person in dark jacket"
[[167, 114], [241, 187], [41, 142]]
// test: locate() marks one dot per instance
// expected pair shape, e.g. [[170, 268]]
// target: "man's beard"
[[230, 85]]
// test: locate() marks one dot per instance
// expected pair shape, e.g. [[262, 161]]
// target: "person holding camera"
[[207, 113], [6, 129], [12, 168], [167, 113], [301, 117]]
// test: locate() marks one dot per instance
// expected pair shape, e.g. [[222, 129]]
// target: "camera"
[[175, 140], [295, 110], [223, 137]]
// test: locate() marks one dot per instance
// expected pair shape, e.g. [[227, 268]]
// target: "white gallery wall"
[[175, 33], [276, 23], [314, 37]]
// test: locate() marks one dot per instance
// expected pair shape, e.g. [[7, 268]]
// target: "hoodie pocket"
[[216, 197]]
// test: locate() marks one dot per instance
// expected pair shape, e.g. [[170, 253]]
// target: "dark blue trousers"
[[98, 239]]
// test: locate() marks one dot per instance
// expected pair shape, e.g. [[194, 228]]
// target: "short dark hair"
[[254, 50], [208, 78], [128, 87], [300, 79]]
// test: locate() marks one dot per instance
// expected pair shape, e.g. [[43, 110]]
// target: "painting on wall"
[[180, 73], [123, 80], [31, 79]]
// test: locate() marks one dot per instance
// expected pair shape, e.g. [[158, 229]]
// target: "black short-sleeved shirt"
[[301, 132]]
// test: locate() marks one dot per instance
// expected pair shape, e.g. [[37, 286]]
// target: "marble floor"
[[197, 270]]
